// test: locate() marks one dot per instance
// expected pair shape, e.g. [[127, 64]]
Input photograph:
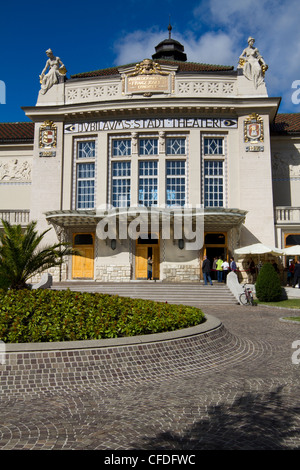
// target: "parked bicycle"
[[246, 298]]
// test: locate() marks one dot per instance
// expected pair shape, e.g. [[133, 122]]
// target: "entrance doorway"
[[83, 266], [146, 247], [215, 245]]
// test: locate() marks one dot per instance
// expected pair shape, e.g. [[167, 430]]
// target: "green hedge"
[[45, 315], [268, 287]]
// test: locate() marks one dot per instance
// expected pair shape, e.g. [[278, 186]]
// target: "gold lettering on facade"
[[146, 78]]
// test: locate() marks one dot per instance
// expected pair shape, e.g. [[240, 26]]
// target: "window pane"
[[175, 146], [121, 147], [85, 185], [213, 146], [175, 183], [213, 183], [85, 194], [121, 172], [148, 146], [86, 149], [148, 183]]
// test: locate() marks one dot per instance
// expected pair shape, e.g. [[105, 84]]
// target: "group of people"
[[293, 276], [220, 267]]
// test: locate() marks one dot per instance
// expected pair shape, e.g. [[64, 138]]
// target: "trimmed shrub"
[[44, 315], [268, 288]]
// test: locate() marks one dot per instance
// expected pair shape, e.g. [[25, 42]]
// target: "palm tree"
[[21, 257]]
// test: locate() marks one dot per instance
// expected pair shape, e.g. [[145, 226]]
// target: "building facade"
[[140, 160]]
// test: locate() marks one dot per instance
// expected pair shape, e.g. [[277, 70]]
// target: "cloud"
[[136, 46], [218, 31]]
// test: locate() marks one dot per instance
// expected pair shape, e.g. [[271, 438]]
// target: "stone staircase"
[[193, 294]]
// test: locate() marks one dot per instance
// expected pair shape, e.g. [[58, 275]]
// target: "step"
[[173, 293]]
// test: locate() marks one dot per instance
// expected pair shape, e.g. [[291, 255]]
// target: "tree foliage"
[[21, 254]]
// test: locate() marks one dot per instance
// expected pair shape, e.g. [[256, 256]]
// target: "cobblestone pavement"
[[251, 403]]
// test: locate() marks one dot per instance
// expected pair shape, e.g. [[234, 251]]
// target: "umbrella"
[[292, 250], [258, 249]]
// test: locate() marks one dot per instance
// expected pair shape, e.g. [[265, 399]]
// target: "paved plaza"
[[241, 392]]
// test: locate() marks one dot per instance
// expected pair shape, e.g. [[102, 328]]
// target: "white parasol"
[[258, 249], [292, 250]]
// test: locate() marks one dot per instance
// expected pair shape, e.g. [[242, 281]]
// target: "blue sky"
[[90, 35]]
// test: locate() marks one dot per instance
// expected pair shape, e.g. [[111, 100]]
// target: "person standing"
[[149, 268], [297, 274], [232, 265], [290, 274], [214, 268], [252, 271], [206, 271], [219, 269], [225, 267]]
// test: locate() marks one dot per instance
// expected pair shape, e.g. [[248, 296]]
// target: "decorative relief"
[[184, 87], [227, 88], [213, 88], [85, 92], [156, 81], [15, 171], [206, 87], [91, 92], [112, 90], [98, 91], [199, 87], [72, 94]]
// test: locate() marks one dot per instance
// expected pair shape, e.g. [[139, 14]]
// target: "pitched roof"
[[17, 132], [286, 124], [183, 67]]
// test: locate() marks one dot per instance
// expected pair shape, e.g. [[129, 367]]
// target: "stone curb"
[[210, 324]]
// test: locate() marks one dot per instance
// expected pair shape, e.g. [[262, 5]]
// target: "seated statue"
[[56, 71], [253, 64]]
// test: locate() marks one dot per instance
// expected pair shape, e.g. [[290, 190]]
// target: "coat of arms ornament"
[[254, 133], [47, 139]]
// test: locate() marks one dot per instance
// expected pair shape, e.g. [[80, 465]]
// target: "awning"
[[71, 218], [214, 217]]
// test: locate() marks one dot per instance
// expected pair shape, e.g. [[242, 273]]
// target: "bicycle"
[[246, 298]]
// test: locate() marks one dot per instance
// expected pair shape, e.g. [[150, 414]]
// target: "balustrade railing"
[[14, 216], [287, 215]]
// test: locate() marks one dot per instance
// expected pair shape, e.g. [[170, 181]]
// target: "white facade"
[[158, 137]]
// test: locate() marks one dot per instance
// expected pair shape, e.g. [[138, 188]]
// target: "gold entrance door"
[[145, 248], [83, 266]]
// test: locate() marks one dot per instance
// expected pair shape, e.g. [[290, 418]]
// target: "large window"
[[148, 183], [85, 174], [121, 173], [213, 183], [175, 183]]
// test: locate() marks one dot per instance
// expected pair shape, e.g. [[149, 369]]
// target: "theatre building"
[[129, 162]]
